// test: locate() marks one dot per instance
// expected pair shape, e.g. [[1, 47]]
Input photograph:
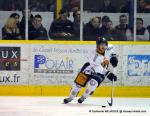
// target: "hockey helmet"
[[101, 40]]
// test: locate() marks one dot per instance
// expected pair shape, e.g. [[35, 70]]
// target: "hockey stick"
[[112, 91], [112, 94]]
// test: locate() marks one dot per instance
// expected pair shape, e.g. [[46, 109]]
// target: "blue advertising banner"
[[45, 64], [138, 65]]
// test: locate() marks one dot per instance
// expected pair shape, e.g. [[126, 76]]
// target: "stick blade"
[[110, 104]]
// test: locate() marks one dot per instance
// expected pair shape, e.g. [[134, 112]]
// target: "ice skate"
[[81, 99], [67, 100]]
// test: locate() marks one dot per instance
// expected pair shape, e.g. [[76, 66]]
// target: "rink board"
[[48, 68], [126, 91]]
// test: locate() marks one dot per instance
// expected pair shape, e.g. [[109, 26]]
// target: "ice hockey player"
[[92, 74]]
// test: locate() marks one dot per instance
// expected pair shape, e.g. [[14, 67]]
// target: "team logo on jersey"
[[44, 64], [105, 63], [138, 65]]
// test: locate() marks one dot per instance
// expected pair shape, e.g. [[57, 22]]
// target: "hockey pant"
[[91, 85]]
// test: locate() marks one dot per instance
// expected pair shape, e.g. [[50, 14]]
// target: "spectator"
[[22, 23], [37, 31], [103, 29], [148, 28], [123, 26], [91, 30], [142, 33], [76, 24], [107, 7], [10, 31], [112, 34], [16, 16], [144, 6], [62, 28]]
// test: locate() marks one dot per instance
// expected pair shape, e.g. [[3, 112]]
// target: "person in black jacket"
[[76, 24], [113, 34], [103, 29], [11, 31], [91, 30], [22, 23], [37, 31], [62, 28]]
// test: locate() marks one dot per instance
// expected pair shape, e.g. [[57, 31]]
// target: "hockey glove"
[[114, 61], [111, 76]]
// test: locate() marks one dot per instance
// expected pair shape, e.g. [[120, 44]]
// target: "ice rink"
[[52, 106]]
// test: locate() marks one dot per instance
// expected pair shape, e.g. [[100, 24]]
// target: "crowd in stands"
[[15, 30], [63, 28], [122, 32], [60, 29]]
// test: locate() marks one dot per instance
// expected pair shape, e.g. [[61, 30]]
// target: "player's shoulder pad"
[[109, 47]]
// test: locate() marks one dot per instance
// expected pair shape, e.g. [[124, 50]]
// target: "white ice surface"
[[52, 106]]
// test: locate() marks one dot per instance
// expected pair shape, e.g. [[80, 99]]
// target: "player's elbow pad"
[[114, 61]]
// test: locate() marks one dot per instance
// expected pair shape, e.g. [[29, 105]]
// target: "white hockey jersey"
[[96, 61]]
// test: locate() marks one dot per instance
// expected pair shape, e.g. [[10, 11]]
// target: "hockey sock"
[[74, 91]]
